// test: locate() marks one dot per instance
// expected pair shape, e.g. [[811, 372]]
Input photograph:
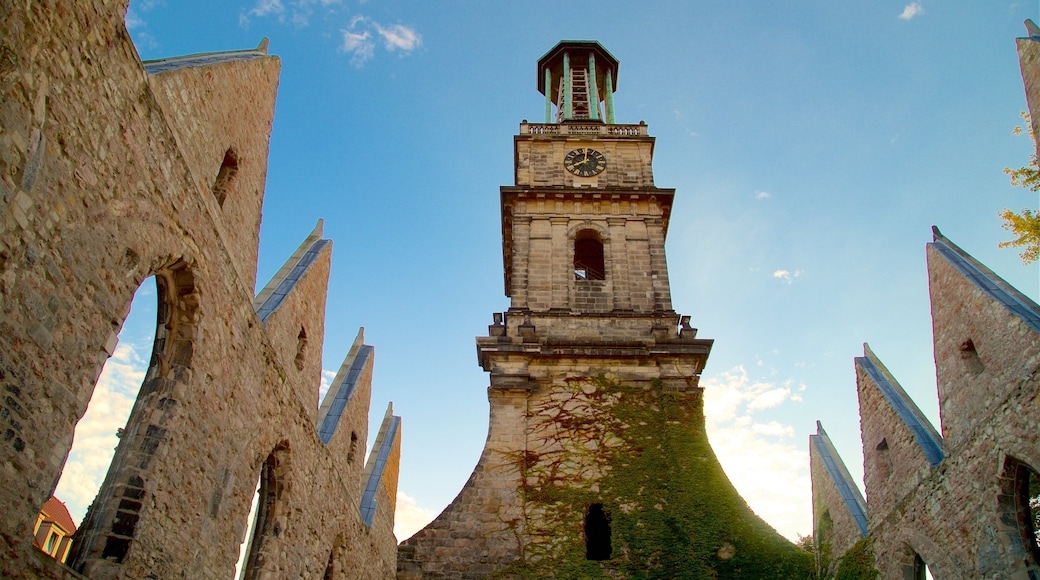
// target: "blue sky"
[[812, 145]]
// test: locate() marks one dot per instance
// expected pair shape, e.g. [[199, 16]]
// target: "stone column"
[[618, 260], [521, 249], [562, 263], [658, 264]]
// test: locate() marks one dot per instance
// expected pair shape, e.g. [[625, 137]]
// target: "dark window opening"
[[353, 447], [226, 174], [597, 533], [883, 463], [301, 349], [588, 257], [970, 356]]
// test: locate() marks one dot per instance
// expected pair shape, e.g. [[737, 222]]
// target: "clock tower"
[[596, 462]]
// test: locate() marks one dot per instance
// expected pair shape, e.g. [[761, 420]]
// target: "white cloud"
[[912, 9], [359, 46], [763, 195], [786, 276], [410, 517], [267, 7], [326, 381], [399, 37], [768, 468], [133, 20], [359, 39], [95, 439]]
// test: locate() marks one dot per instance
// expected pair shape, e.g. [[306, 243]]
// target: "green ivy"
[[857, 563], [642, 452]]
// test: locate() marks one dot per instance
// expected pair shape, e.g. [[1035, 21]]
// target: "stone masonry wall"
[[834, 529], [540, 162], [962, 513], [98, 193], [542, 253]]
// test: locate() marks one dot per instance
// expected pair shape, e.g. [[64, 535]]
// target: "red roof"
[[54, 510]]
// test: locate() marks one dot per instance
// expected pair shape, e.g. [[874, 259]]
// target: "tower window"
[[597, 533], [588, 256]]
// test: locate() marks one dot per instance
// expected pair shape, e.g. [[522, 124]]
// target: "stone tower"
[[596, 462]]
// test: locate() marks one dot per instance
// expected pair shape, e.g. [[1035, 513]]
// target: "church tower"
[[596, 462]]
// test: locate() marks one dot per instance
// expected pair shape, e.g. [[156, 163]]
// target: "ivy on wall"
[[642, 453]]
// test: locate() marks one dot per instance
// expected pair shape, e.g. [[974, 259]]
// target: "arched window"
[[265, 518], [104, 423], [109, 528], [588, 256], [597, 533], [1019, 503]]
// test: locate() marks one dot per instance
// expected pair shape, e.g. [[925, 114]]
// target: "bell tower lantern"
[[577, 77]]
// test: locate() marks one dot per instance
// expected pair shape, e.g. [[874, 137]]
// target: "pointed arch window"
[[588, 256]]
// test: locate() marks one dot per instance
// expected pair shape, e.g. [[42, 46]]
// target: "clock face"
[[585, 162]]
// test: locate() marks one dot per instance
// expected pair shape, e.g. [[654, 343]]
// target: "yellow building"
[[53, 530]]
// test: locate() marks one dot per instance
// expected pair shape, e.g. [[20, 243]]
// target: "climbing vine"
[[640, 451], [857, 563]]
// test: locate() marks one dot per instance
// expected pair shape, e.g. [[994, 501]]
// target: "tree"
[[1025, 224]]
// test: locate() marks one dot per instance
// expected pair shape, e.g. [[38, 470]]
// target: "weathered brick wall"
[[102, 184]]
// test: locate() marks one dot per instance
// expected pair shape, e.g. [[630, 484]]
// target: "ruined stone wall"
[[835, 526], [957, 503], [106, 178]]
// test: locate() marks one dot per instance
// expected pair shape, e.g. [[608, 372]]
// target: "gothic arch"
[[1017, 483], [917, 549], [110, 526], [272, 513]]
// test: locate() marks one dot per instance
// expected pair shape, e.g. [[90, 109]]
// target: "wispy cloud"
[[786, 276], [911, 10], [326, 381], [135, 22], [267, 8], [399, 37], [760, 457], [763, 195], [410, 517], [359, 39], [95, 439]]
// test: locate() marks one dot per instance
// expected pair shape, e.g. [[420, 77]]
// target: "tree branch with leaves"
[[1025, 225]]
